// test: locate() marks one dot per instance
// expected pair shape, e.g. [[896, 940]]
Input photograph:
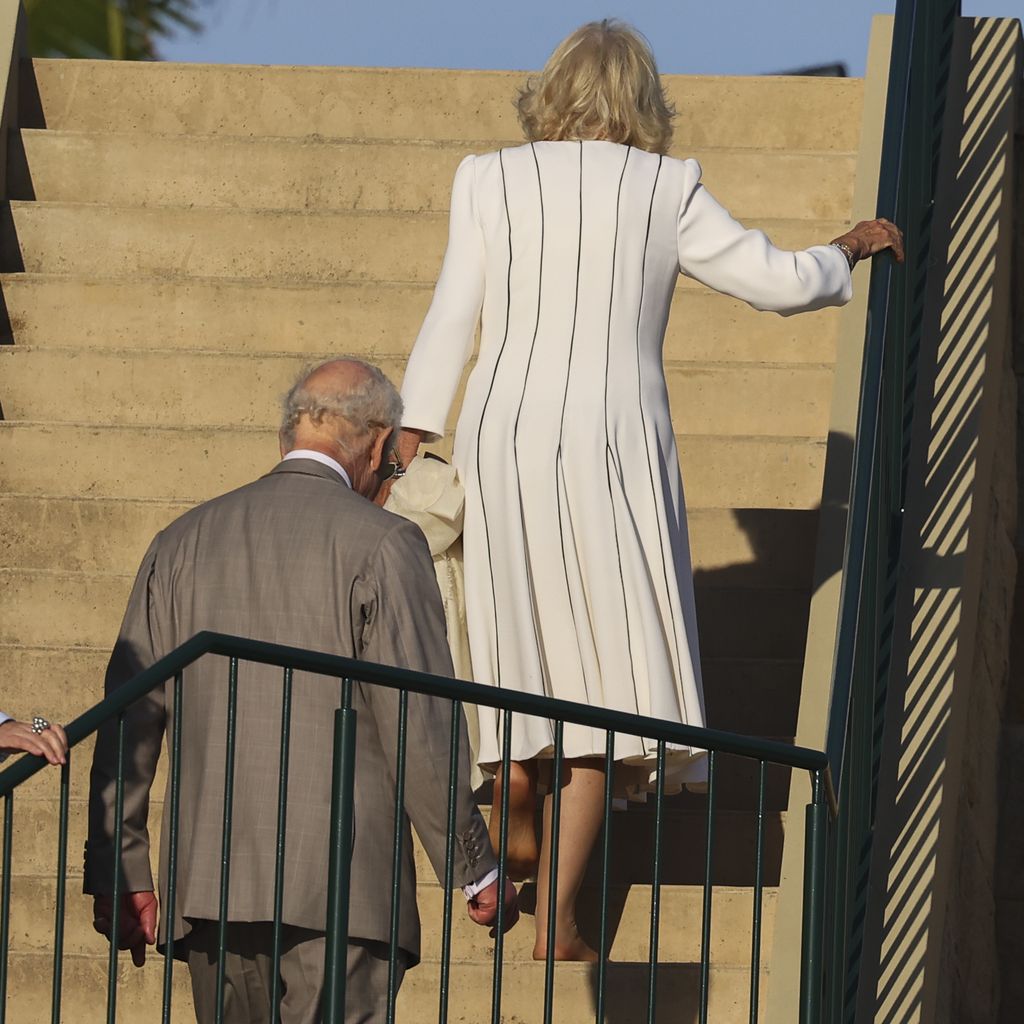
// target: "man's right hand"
[[483, 907], [136, 924]]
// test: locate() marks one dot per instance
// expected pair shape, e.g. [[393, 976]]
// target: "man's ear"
[[381, 444]]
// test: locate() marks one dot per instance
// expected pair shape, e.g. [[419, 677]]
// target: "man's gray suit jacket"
[[294, 558]]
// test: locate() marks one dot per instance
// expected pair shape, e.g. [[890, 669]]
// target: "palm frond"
[[127, 29]]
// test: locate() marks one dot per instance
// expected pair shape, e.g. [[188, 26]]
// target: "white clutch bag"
[[431, 495]]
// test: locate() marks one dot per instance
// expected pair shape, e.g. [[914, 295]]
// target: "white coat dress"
[[577, 562]]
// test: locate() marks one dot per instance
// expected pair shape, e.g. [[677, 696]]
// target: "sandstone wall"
[[1009, 873], [970, 972]]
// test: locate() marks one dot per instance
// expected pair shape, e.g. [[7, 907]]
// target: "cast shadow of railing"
[[955, 377]]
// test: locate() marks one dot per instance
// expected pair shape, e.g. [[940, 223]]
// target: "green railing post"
[[62, 871], [340, 862], [606, 866], [449, 863], [499, 937], [396, 855], [225, 856], [5, 902], [812, 976], [659, 817], [556, 824], [709, 882], [172, 845], [115, 914], [282, 821], [758, 896]]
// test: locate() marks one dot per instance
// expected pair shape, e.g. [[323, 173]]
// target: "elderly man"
[[301, 556]]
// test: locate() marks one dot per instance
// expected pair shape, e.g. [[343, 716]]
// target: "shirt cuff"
[[4, 754], [474, 888]]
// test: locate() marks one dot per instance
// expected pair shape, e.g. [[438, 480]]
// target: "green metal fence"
[[171, 670], [918, 77]]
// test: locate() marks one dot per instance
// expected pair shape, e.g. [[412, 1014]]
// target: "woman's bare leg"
[[581, 814], [523, 849]]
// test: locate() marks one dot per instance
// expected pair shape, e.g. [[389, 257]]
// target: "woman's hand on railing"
[[870, 237], [50, 743], [483, 907], [136, 924]]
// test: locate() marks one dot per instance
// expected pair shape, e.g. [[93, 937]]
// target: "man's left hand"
[[483, 907], [136, 925]]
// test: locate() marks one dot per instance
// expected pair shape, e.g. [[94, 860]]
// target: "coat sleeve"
[[407, 629], [720, 252], [137, 648], [445, 341]]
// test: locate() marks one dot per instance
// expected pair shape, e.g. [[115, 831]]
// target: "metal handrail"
[[918, 74], [918, 29], [172, 669], [338, 667], [869, 410]]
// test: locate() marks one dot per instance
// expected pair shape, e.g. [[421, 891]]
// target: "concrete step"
[[575, 996], [751, 547], [375, 318], [753, 696], [357, 174], [763, 622], [140, 992], [772, 112], [219, 389], [118, 241], [33, 901], [35, 837], [84, 989], [192, 465]]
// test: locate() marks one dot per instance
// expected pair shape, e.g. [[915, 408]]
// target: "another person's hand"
[[51, 743], [483, 907], [384, 493], [137, 923], [870, 237], [406, 445]]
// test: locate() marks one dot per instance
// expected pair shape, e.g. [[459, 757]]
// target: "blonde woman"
[[578, 579]]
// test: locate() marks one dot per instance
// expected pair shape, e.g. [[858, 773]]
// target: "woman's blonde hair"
[[600, 83]]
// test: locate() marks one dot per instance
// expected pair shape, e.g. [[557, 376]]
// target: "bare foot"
[[523, 851], [571, 948]]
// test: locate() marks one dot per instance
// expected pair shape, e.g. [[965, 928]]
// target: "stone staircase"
[[180, 240]]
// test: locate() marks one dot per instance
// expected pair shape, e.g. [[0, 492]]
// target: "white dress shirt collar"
[[324, 460]]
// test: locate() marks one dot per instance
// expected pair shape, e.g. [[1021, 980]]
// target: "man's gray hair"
[[371, 404]]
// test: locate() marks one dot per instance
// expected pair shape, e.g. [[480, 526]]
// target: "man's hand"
[[51, 743], [483, 907], [137, 924]]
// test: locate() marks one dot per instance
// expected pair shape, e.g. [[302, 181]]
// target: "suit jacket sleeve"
[[406, 628], [445, 341], [137, 648], [720, 252]]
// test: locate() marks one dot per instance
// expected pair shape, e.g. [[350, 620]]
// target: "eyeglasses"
[[392, 469]]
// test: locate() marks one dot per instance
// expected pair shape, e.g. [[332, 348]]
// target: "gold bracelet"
[[846, 251]]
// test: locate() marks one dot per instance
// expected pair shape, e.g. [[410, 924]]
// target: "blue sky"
[[689, 36]]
